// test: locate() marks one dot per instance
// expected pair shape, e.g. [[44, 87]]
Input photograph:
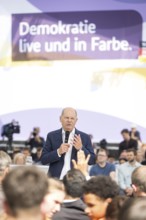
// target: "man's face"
[[130, 157], [96, 207], [53, 202], [68, 119], [101, 157], [125, 136]]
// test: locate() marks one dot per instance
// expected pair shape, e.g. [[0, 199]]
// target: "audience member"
[[139, 181], [5, 162], [62, 145], [134, 133], [133, 209], [38, 156], [24, 189], [128, 142], [26, 151], [98, 193], [122, 160], [73, 207], [54, 198], [115, 206], [35, 141], [125, 171], [139, 156], [102, 167], [19, 159]]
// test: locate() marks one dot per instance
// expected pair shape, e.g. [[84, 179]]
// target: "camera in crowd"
[[11, 128]]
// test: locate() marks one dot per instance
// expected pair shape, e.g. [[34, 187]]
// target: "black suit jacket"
[[71, 211], [53, 142], [125, 145]]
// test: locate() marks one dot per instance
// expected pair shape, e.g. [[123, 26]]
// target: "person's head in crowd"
[[103, 143], [111, 158], [102, 155], [19, 159], [139, 181], [26, 151], [53, 199], [133, 209], [73, 183], [122, 160], [98, 193], [125, 134], [131, 155], [115, 206], [123, 154], [139, 156], [68, 118], [36, 131], [5, 162], [143, 148], [24, 189]]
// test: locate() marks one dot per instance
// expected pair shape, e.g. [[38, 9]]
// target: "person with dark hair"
[[133, 209], [102, 167], [127, 142], [62, 145], [73, 207], [24, 189], [139, 181], [98, 193], [125, 171], [115, 206]]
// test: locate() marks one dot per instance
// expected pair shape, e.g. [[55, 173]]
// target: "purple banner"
[[76, 35]]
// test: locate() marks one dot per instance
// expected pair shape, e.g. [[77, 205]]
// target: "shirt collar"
[[72, 132]]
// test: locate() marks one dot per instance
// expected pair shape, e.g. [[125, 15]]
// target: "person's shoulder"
[[123, 166], [111, 165], [55, 132], [81, 132], [133, 140]]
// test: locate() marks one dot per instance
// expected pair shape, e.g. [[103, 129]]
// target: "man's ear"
[[134, 188], [108, 200], [60, 118]]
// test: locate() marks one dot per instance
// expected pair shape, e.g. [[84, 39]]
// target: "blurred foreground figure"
[[133, 209], [24, 189]]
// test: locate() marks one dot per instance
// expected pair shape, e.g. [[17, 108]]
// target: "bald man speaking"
[[63, 144]]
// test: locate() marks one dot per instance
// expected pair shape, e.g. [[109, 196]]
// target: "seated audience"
[[125, 171], [102, 167], [19, 159]]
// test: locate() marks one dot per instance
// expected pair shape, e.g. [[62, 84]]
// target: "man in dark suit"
[[62, 145]]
